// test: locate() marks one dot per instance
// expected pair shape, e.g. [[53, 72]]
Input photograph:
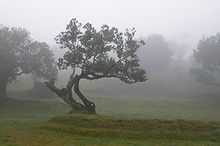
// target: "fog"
[[175, 19], [181, 23]]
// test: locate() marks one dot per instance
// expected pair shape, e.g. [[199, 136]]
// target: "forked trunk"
[[89, 105], [66, 95]]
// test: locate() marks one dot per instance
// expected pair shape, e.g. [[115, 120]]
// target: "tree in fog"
[[39, 89], [19, 54], [95, 54], [207, 57], [156, 53]]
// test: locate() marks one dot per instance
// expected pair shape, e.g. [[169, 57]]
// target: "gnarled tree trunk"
[[66, 95], [3, 89], [89, 105]]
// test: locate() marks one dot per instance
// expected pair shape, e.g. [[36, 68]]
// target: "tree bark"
[[90, 106], [65, 96], [3, 89]]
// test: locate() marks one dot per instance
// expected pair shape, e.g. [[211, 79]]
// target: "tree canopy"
[[157, 54], [103, 53], [20, 54], [207, 56]]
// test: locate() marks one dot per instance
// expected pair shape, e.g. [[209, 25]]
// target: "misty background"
[[171, 30]]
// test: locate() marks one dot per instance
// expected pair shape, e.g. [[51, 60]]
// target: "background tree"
[[207, 57], [46, 70], [92, 55], [157, 59], [156, 55], [19, 54]]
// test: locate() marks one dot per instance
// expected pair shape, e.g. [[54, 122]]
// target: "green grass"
[[31, 110], [120, 122], [92, 130], [165, 108], [123, 108]]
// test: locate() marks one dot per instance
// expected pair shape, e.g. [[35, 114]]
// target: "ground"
[[140, 122]]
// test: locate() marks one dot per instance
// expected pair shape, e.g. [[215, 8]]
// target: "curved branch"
[[95, 77]]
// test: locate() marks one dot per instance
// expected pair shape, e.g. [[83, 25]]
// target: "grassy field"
[[160, 108], [44, 123]]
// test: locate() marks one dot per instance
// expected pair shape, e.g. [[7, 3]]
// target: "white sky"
[[182, 20]]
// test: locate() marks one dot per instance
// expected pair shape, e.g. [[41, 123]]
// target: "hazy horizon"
[[183, 21]]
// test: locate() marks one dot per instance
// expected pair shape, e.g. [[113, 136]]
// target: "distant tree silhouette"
[[157, 54], [39, 89], [95, 54], [207, 56], [19, 54]]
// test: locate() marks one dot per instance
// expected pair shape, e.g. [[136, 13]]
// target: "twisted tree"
[[95, 54]]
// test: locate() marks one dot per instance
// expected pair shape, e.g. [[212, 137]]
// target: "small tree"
[[19, 54], [92, 55]]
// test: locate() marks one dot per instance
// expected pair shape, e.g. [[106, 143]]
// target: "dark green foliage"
[[103, 53]]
